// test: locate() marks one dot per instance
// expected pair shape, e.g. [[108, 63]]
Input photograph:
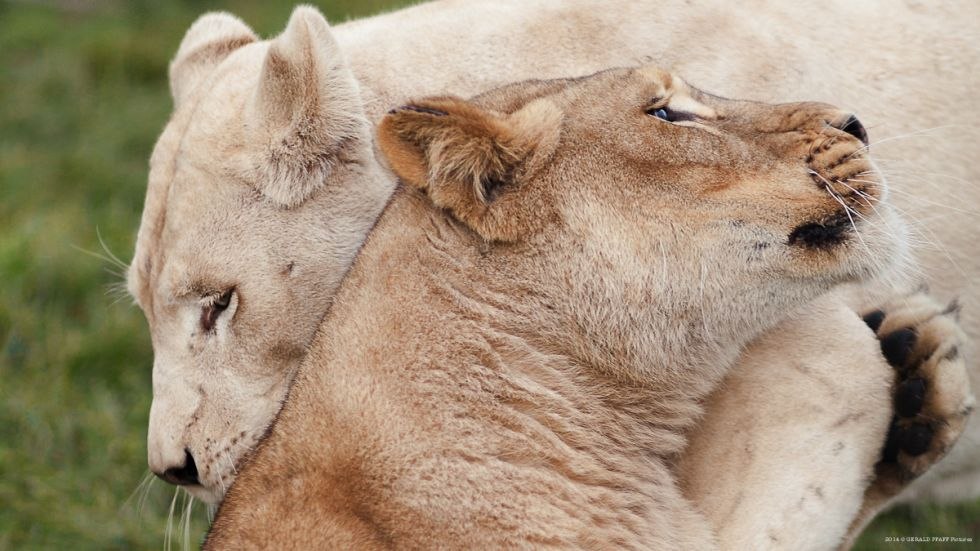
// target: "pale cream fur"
[[298, 256], [516, 366]]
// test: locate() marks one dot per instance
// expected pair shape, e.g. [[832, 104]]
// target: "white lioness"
[[530, 328], [262, 190]]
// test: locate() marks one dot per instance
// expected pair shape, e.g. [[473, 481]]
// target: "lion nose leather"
[[853, 126], [183, 475]]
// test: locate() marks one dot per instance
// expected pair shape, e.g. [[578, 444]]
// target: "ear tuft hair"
[[464, 157], [205, 45], [441, 140]]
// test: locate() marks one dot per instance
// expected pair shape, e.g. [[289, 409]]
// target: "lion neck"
[[451, 323], [437, 289]]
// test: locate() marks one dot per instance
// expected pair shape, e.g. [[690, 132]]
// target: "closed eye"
[[213, 308]]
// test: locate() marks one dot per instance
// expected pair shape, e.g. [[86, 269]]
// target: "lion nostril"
[[185, 475], [853, 126]]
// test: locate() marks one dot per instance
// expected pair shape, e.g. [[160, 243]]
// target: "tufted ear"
[[469, 160], [207, 43], [306, 108]]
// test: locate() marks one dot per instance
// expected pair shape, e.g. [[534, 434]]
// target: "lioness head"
[[698, 219], [261, 190]]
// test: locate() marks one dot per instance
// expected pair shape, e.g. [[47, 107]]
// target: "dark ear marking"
[[418, 109]]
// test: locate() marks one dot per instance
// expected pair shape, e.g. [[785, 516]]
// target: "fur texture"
[[472, 391], [213, 193]]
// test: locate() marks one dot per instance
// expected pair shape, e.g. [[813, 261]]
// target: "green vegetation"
[[83, 95]]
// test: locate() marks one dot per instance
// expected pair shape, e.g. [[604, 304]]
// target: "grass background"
[[83, 95]]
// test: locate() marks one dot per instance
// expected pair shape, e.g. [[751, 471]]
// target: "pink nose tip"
[[184, 475]]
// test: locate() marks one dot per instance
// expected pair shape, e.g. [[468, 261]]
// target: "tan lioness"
[[247, 231], [570, 268]]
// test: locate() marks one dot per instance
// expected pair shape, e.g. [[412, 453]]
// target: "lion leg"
[[852, 413], [784, 453], [923, 342]]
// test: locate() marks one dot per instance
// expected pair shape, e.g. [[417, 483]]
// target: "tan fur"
[[212, 217], [468, 392], [817, 408]]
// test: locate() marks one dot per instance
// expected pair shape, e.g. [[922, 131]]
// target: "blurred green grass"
[[83, 95]]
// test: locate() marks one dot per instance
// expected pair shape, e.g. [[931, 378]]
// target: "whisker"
[[915, 223], [185, 520], [102, 257], [141, 504], [112, 256], [900, 137], [144, 481], [170, 520], [912, 222], [231, 462], [847, 210], [926, 201]]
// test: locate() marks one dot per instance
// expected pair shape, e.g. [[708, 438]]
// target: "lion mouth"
[[824, 233]]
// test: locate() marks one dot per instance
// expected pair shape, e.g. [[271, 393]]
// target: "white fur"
[[867, 56]]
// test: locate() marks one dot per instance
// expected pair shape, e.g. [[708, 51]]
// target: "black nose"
[[185, 475], [853, 126]]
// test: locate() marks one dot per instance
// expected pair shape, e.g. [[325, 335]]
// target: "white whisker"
[[901, 136], [185, 520], [112, 256], [141, 493], [170, 520]]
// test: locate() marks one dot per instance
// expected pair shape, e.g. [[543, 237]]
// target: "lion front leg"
[[784, 453], [824, 421]]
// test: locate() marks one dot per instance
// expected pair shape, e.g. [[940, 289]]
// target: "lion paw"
[[923, 342]]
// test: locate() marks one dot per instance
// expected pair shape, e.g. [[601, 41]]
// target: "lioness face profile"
[[722, 212], [240, 247]]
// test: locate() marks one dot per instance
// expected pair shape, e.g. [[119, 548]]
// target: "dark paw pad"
[[890, 453], [930, 397], [914, 439], [898, 345], [910, 396], [874, 319]]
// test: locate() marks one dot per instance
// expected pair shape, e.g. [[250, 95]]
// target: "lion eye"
[[663, 113], [213, 309], [224, 300]]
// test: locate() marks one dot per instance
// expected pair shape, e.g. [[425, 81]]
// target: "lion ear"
[[207, 43], [306, 107], [467, 159]]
